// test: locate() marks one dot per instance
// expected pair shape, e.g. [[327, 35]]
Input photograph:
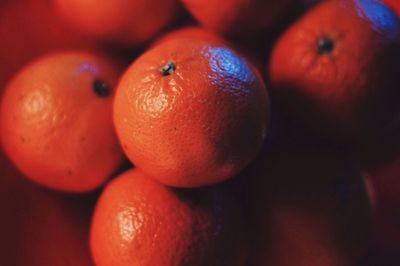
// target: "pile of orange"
[[200, 133]]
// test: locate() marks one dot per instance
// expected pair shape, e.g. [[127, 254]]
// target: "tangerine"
[[237, 17], [191, 113], [126, 21], [339, 77], [138, 221], [56, 121]]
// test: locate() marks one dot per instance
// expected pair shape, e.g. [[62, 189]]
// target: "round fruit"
[[247, 49], [56, 121], [340, 76], [36, 21], [191, 112], [189, 32], [306, 207], [138, 221], [119, 20], [236, 17]]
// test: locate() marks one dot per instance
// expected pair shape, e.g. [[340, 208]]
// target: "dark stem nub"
[[101, 88], [167, 69], [325, 45]]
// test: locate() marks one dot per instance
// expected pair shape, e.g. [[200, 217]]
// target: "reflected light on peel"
[[223, 61], [129, 223], [381, 18], [87, 67], [35, 103], [156, 104]]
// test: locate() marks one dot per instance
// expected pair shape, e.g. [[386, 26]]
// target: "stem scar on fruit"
[[101, 88], [325, 45], [168, 68]]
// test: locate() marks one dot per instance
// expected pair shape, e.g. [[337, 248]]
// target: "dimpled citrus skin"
[[236, 17], [119, 20], [198, 124], [340, 76], [138, 221], [55, 128], [193, 32]]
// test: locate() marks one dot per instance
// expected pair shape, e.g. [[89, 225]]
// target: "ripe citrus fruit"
[[306, 207], [189, 32], [236, 17], [203, 34], [56, 121], [119, 20], [138, 221], [191, 112], [36, 21], [340, 76]]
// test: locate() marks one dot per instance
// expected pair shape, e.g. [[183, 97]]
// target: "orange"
[[7, 171], [336, 70], [191, 112], [189, 32], [306, 207], [237, 17], [125, 21], [138, 221], [56, 121], [36, 22], [247, 49]]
